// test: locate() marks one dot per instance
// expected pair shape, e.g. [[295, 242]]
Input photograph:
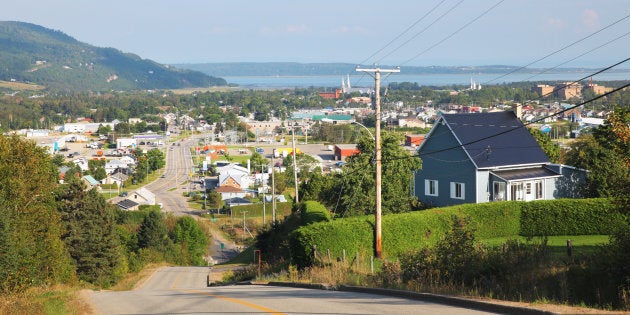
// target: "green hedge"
[[414, 230], [401, 232], [570, 217], [313, 211]]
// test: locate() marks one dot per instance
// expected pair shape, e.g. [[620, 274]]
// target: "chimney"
[[518, 110]]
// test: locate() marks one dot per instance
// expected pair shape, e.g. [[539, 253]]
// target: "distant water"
[[272, 82]]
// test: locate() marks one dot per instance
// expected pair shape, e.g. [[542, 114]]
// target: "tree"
[[355, 188], [191, 238], [90, 233], [606, 155], [259, 162], [153, 232], [544, 141], [97, 169], [31, 250]]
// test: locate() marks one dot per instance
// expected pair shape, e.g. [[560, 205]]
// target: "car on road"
[[260, 151], [123, 194]]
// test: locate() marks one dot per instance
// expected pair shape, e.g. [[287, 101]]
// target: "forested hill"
[[35, 54]]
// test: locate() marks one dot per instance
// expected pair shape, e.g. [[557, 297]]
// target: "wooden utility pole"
[[273, 188], [295, 177], [378, 243]]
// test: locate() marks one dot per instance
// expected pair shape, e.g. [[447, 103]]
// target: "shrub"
[[313, 211], [570, 217]]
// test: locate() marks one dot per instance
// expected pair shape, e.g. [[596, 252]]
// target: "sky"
[[397, 33]]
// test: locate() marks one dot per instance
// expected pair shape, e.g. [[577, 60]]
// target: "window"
[[516, 191], [498, 192], [430, 187], [539, 189], [457, 190], [528, 188]]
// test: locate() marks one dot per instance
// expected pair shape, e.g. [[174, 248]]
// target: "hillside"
[[34, 54]]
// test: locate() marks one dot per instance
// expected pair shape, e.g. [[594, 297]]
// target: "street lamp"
[[364, 127]]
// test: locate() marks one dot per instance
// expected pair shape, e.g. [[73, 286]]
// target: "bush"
[[401, 232], [414, 230], [570, 217], [312, 212]]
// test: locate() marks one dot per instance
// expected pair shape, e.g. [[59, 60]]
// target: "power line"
[[529, 123], [586, 53], [559, 50], [454, 33], [404, 32], [422, 31]]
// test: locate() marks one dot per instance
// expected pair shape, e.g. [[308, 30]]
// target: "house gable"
[[443, 163]]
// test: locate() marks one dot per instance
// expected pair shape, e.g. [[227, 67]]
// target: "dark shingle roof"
[[512, 145], [126, 204]]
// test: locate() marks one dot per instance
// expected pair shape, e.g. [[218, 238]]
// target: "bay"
[[364, 80]]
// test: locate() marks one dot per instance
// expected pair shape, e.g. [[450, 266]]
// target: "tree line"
[[53, 233]]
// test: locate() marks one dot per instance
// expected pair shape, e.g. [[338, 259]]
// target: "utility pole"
[[378, 242], [273, 188], [297, 199]]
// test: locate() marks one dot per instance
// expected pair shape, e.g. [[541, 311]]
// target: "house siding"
[[457, 169]]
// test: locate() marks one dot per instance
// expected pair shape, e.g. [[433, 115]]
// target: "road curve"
[[184, 290]]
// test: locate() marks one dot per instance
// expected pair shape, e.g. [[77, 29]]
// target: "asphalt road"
[[184, 290]]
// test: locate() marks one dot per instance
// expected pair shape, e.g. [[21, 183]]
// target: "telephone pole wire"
[[378, 244]]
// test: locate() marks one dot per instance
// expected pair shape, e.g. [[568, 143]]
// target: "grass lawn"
[[581, 244]]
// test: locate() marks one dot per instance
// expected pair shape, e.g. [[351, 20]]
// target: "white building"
[[126, 142]]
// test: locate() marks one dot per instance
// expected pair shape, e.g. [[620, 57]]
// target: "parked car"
[[123, 194]]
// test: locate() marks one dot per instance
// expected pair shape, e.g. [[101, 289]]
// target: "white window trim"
[[427, 185], [454, 190]]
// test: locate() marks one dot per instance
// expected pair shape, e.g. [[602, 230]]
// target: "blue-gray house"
[[482, 157]]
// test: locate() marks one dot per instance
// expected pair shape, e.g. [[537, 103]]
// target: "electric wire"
[[559, 50], [527, 124], [581, 55], [454, 33], [422, 31], [564, 85], [404, 32]]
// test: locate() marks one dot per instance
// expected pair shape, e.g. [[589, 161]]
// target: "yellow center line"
[[174, 285], [237, 301]]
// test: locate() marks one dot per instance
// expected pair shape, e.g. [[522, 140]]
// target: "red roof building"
[[414, 140], [343, 151], [330, 95]]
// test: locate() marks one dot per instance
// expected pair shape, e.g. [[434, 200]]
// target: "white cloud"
[[590, 20], [555, 23], [344, 29], [297, 29]]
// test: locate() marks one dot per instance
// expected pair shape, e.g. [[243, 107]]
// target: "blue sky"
[[515, 32]]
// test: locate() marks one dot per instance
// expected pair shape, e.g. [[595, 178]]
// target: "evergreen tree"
[[90, 234], [153, 232]]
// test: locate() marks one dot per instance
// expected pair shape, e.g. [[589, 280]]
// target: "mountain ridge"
[[35, 54], [227, 69]]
